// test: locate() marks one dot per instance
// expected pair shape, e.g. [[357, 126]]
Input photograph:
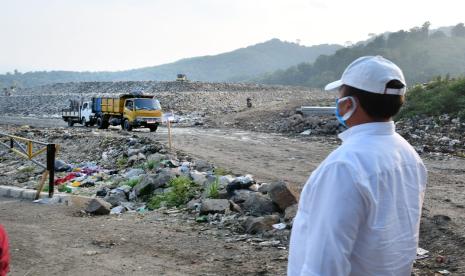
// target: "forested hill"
[[421, 53], [238, 65]]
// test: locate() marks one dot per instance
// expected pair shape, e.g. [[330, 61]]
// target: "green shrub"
[[435, 98], [213, 189], [64, 189], [182, 190], [131, 182], [152, 164]]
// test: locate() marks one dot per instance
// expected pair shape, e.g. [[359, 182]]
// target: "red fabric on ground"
[[4, 252], [67, 178]]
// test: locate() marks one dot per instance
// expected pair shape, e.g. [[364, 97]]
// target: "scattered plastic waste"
[[422, 253], [279, 226], [141, 210], [201, 219], [47, 200], [117, 210]]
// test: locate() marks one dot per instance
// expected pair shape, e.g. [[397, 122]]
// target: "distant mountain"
[[239, 65], [421, 53]]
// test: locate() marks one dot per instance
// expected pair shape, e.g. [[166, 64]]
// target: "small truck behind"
[[78, 112], [128, 110]]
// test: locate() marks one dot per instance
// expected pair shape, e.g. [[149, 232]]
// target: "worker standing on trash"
[[359, 212]]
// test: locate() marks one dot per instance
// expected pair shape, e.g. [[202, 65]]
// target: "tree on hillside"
[[458, 30], [420, 55], [438, 34]]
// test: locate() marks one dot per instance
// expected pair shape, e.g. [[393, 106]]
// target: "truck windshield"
[[147, 104]]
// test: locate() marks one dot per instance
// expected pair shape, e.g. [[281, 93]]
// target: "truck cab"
[[141, 112]]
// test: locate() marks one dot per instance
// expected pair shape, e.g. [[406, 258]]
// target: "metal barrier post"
[[51, 168]]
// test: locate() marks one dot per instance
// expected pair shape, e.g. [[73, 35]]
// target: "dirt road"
[[58, 240]]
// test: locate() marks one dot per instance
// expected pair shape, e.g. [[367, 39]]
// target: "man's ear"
[[347, 105]]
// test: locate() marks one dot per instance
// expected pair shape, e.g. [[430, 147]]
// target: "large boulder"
[[98, 206], [258, 204], [132, 151], [163, 177], [291, 212], [150, 182], [116, 196], [240, 196], [156, 157], [203, 166], [198, 177], [61, 166], [214, 206], [224, 180], [133, 173], [257, 225], [280, 194]]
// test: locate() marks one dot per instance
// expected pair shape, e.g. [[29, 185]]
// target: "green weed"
[[182, 190], [213, 189], [131, 182]]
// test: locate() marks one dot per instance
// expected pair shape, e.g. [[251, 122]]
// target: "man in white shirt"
[[359, 212]]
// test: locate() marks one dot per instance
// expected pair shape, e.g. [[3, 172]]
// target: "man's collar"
[[375, 128]]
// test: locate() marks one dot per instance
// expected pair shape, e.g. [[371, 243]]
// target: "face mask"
[[343, 119]]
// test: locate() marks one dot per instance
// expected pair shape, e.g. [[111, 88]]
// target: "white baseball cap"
[[371, 74]]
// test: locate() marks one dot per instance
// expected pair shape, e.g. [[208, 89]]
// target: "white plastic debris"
[[279, 226], [117, 210], [422, 253]]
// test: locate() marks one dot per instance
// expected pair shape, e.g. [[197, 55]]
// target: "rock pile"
[[134, 174]]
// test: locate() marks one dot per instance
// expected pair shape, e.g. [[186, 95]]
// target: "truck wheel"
[[126, 125], [153, 128], [101, 124], [70, 123]]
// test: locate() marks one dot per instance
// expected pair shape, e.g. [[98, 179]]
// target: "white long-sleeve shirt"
[[359, 212]]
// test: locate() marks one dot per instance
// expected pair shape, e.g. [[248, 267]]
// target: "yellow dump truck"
[[129, 111]]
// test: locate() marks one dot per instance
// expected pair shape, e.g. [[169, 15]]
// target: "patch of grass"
[[149, 165], [182, 190], [64, 189], [221, 171], [213, 189], [131, 182]]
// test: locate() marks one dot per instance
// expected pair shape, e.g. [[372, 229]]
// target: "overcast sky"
[[96, 35]]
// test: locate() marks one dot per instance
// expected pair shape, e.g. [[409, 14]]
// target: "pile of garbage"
[[311, 125], [137, 174], [434, 134]]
